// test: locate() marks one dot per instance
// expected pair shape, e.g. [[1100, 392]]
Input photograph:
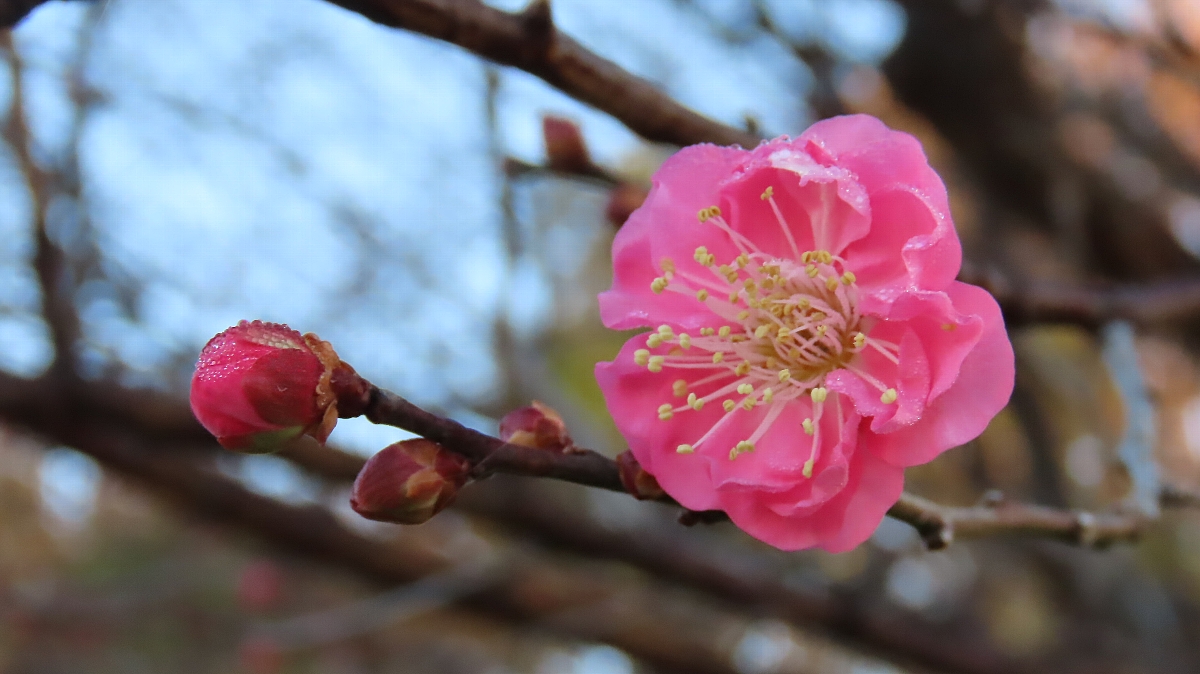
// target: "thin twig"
[[937, 524]]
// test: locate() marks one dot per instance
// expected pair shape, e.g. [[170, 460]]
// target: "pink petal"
[[912, 236], [982, 389], [666, 226], [879, 485], [633, 395]]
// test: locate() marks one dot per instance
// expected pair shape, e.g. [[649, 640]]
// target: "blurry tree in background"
[[376, 171]]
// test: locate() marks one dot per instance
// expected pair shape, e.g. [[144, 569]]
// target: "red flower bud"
[[637, 481], [408, 482], [259, 385], [565, 148], [537, 426]]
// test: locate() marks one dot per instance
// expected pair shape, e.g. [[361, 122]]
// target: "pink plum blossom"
[[259, 385], [809, 338]]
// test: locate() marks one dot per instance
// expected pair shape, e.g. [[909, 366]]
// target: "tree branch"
[[530, 41], [938, 525], [12, 11]]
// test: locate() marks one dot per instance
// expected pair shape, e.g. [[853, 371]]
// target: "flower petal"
[[982, 388], [666, 226]]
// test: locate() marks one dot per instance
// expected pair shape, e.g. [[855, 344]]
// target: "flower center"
[[788, 322]]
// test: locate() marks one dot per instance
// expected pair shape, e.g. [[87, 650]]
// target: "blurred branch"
[[937, 524], [1033, 301], [529, 40], [12, 11], [49, 260]]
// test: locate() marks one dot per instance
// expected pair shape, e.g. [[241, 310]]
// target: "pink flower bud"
[[565, 148], [537, 426], [637, 481], [260, 385], [408, 482]]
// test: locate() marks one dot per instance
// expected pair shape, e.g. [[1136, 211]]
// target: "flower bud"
[[636, 480], [260, 385], [565, 148], [408, 482], [537, 426]]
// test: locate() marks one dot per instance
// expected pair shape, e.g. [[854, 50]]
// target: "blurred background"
[[169, 167]]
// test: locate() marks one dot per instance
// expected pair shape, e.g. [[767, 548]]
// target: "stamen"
[[664, 412], [728, 405], [655, 364], [685, 341], [654, 341], [658, 285], [702, 294], [679, 388], [685, 449], [641, 357], [889, 396]]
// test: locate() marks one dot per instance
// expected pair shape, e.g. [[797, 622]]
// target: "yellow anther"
[[659, 284], [723, 331], [743, 368], [745, 389], [831, 283], [718, 357], [654, 341], [701, 254], [691, 400], [859, 340], [753, 303], [949, 327], [808, 468], [641, 357], [707, 332], [709, 260], [655, 364], [666, 331], [761, 331], [771, 362], [684, 449], [704, 215], [783, 332], [738, 338], [811, 270], [728, 405], [818, 316], [805, 256], [821, 330], [743, 315], [732, 276], [750, 285], [702, 294], [808, 426], [668, 265], [724, 269], [768, 283], [664, 412], [785, 375], [714, 212], [803, 304], [768, 193], [824, 256], [685, 341], [697, 404], [768, 394], [679, 388], [742, 260], [749, 403], [733, 297], [849, 278], [819, 394], [889, 396], [745, 446]]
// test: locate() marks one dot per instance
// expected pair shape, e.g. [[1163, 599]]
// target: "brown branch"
[[1032, 301], [937, 524], [49, 261], [12, 11], [530, 41]]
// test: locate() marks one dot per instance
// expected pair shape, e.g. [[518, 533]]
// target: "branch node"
[[537, 24]]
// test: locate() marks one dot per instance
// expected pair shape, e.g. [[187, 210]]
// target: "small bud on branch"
[[408, 482]]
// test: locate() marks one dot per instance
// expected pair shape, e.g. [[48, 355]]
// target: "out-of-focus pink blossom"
[[408, 482], [259, 385], [810, 340]]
